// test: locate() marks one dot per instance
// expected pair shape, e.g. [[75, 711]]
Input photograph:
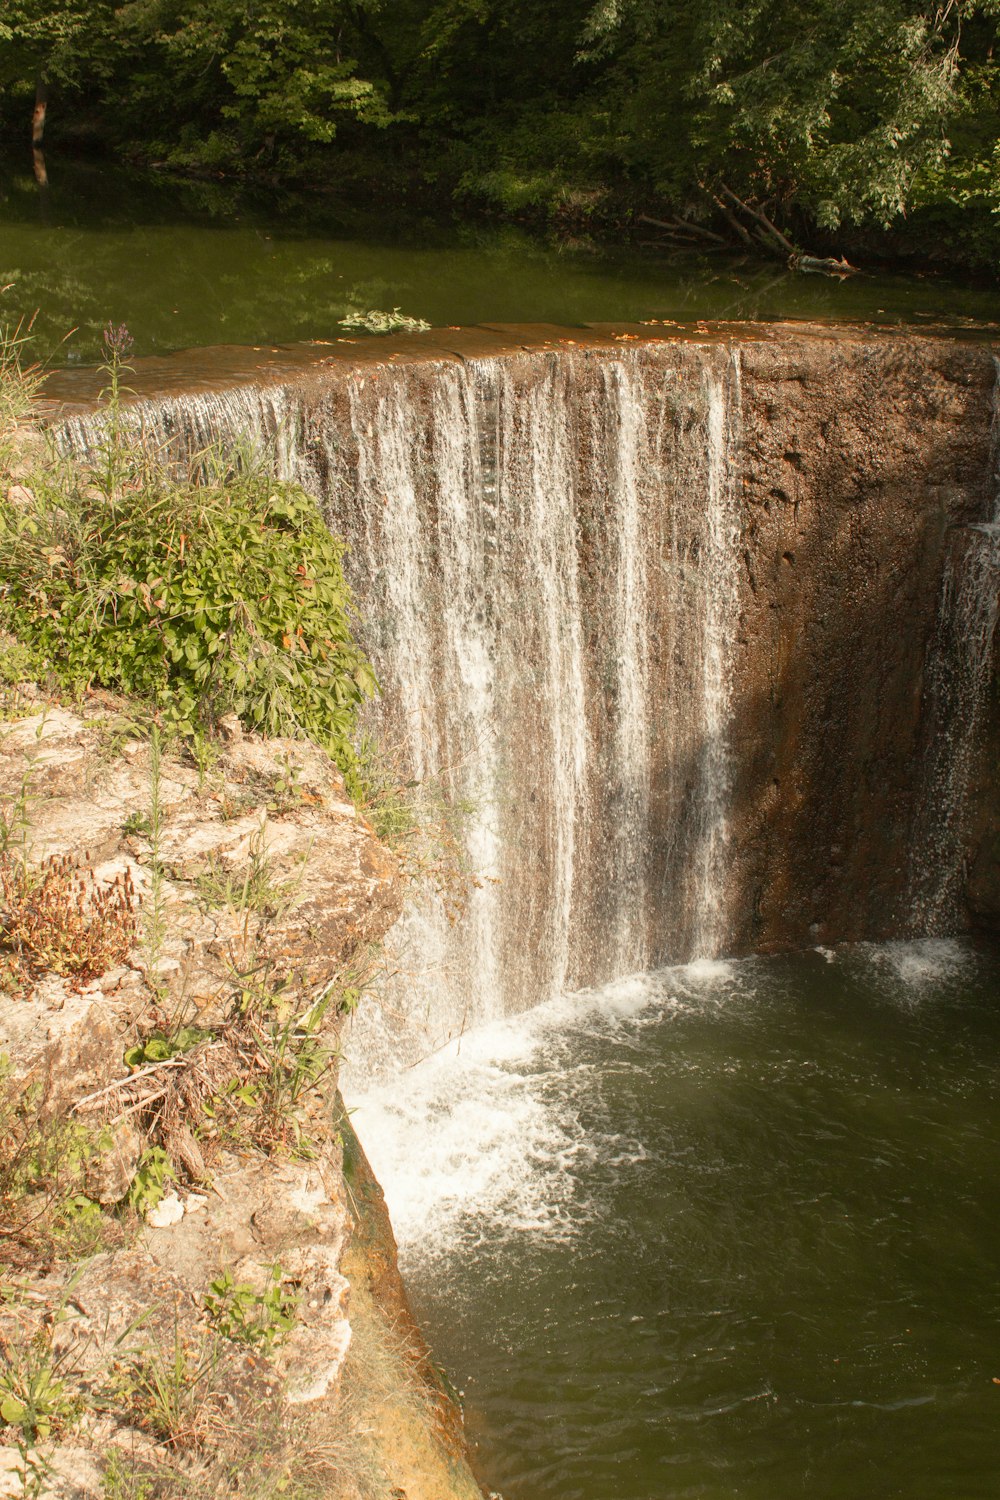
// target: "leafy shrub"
[[205, 598], [259, 1319], [149, 1185]]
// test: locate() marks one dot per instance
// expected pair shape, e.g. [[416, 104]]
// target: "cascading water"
[[719, 585], [628, 863], [514, 519], [545, 554], [959, 670], [559, 556]]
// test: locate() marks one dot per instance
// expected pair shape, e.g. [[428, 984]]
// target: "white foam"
[[458, 1146], [708, 971], [925, 962], [482, 1140]]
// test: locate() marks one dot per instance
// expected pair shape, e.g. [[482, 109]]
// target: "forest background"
[[833, 126]]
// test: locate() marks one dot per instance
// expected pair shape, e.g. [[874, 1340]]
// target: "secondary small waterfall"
[[960, 666]]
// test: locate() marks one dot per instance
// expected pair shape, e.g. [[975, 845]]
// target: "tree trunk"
[[40, 110]]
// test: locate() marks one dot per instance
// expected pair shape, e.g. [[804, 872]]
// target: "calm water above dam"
[[717, 1232], [189, 264]]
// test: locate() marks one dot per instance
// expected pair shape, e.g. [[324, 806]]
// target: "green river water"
[[718, 1232], [189, 264]]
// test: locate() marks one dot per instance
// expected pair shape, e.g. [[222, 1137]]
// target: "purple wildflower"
[[117, 340]]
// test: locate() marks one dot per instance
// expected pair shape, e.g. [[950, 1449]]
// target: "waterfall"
[[960, 667], [627, 870], [638, 733], [544, 552], [719, 588]]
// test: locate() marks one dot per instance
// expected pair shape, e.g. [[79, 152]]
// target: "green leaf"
[[12, 1410]]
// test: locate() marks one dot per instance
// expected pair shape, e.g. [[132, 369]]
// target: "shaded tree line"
[[781, 125]]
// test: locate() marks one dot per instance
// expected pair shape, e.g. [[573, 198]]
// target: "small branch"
[[139, 1104], [673, 224], [133, 1080]]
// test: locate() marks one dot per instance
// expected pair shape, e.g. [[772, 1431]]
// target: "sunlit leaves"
[[201, 599]]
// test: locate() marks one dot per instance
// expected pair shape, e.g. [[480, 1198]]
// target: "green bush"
[[201, 598]]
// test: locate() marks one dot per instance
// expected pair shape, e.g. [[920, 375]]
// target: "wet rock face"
[[983, 884], [856, 460]]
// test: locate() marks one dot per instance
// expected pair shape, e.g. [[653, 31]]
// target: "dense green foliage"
[[200, 598], [832, 118]]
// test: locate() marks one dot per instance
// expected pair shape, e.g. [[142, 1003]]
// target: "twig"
[[142, 1103], [133, 1078]]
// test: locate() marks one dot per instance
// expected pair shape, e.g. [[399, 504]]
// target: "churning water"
[[719, 1231]]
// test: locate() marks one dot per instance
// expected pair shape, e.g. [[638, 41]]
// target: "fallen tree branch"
[[824, 265], [732, 221], [755, 213]]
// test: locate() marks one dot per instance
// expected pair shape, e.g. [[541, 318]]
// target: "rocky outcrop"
[[263, 854], [253, 885]]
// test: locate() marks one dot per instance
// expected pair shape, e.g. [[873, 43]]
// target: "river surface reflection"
[[185, 264]]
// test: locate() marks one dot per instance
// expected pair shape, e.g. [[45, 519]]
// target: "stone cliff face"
[[983, 887], [196, 1029], [655, 610]]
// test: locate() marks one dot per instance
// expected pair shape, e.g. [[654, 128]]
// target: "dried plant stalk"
[[59, 918]]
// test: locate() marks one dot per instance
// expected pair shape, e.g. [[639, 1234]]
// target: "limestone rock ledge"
[[256, 865]]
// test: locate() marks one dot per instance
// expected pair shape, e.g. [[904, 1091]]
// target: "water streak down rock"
[[960, 785], [656, 610]]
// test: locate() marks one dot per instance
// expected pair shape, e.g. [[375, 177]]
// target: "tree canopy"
[[767, 120]]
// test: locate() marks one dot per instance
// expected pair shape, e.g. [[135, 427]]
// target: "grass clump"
[[45, 1161], [220, 593], [20, 380]]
